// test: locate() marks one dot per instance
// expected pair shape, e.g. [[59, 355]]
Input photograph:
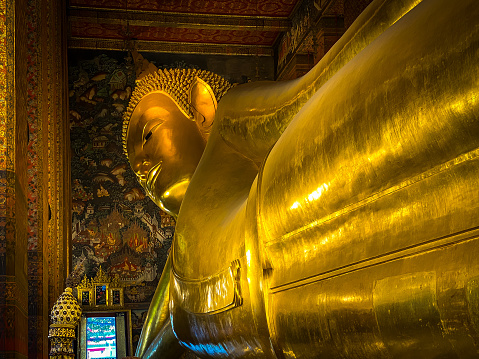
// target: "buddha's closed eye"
[[147, 137], [150, 133]]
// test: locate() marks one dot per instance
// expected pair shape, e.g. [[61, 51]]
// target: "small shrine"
[[100, 292]]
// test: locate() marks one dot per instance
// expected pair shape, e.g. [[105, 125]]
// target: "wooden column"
[[34, 172], [13, 184]]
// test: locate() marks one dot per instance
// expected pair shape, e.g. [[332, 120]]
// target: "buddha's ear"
[[203, 105]]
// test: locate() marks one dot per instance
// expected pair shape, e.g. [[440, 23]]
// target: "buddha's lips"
[[152, 176]]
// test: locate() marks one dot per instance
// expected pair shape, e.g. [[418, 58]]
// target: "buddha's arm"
[[164, 345], [382, 160], [396, 115], [157, 335], [253, 116]]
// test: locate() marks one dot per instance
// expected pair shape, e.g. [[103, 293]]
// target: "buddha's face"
[[164, 147]]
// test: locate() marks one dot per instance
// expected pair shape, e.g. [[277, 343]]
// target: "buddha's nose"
[[141, 167]]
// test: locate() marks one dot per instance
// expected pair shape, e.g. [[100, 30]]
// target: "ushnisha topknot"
[[175, 82]]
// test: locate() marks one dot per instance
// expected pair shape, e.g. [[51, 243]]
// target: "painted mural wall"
[[114, 225]]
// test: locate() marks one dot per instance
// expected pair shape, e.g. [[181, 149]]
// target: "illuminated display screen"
[[100, 337]]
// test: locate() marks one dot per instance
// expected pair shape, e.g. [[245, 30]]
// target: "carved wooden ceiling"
[[236, 27]]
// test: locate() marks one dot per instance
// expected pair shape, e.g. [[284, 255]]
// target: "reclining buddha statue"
[[331, 216]]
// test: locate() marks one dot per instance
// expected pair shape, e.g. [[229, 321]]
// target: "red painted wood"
[[109, 31], [274, 8]]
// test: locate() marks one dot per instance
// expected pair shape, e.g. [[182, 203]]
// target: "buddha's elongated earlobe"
[[203, 105]]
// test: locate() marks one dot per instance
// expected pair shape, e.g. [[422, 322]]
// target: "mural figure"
[[330, 216]]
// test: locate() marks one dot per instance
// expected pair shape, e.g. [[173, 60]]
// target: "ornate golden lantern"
[[65, 316]]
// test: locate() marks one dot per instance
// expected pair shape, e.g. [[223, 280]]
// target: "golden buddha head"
[[165, 129]]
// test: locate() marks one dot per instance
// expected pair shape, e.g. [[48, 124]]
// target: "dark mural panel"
[[138, 317], [114, 224], [235, 69]]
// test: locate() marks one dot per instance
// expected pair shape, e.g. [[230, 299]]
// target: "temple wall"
[[352, 9], [33, 165], [316, 26], [13, 184]]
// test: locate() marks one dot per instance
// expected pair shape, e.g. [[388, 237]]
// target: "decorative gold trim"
[[101, 277], [124, 13], [176, 20], [85, 283], [85, 297], [89, 288], [170, 47], [116, 296]]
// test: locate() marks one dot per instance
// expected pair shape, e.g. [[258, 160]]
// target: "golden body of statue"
[[333, 216]]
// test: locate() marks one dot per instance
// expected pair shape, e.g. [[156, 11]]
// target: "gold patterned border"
[[170, 47], [116, 296], [57, 160], [171, 19], [3, 87], [111, 287], [7, 85]]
